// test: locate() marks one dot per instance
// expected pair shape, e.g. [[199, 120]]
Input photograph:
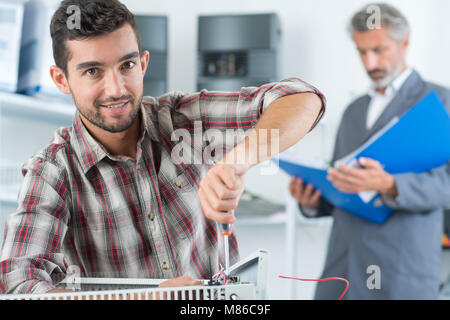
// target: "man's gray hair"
[[378, 15]]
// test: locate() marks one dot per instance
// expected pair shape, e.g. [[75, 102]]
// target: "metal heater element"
[[247, 281]]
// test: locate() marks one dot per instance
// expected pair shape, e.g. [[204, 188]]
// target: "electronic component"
[[246, 281]]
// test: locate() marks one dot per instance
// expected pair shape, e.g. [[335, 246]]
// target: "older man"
[[399, 259]]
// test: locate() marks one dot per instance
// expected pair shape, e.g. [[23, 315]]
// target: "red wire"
[[320, 280], [224, 277]]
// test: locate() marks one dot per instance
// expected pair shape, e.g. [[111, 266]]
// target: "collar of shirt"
[[379, 102], [393, 87], [90, 152]]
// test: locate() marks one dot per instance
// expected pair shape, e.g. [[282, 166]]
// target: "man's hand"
[[180, 282], [220, 191], [305, 195], [59, 290], [371, 177], [222, 187]]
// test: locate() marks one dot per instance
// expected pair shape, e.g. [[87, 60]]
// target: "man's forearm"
[[283, 123], [290, 117]]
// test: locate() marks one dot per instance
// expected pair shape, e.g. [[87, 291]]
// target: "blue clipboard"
[[417, 142], [373, 211]]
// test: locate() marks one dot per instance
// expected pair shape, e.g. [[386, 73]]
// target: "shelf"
[[275, 219], [49, 109], [280, 219], [10, 181], [248, 79], [225, 77]]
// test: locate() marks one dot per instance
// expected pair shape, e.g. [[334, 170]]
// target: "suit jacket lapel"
[[352, 129], [360, 128], [408, 95]]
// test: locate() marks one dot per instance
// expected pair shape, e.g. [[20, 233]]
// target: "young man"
[[108, 195], [406, 249]]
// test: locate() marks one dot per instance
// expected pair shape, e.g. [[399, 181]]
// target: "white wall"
[[316, 48], [316, 45]]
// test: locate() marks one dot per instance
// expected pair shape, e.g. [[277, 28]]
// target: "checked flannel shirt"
[[115, 216]]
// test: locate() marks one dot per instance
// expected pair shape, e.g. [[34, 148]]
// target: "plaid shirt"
[[115, 216]]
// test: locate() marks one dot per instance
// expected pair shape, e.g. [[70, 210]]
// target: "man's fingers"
[[370, 163], [182, 281], [315, 197], [220, 191], [215, 186], [232, 175], [344, 183], [240, 169], [301, 192], [349, 171], [292, 186], [218, 196], [336, 176], [343, 187], [305, 195], [294, 189], [211, 213], [227, 175], [224, 205], [298, 187], [308, 191], [189, 281]]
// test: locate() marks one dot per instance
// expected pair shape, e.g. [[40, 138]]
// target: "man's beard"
[[387, 78], [97, 119]]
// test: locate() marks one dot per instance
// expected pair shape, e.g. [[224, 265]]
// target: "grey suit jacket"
[[404, 251]]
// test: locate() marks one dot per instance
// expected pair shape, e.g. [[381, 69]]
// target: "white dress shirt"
[[379, 102]]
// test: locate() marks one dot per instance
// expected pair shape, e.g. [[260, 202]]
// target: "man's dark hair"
[[96, 18]]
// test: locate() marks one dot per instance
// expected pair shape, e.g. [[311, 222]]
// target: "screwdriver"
[[225, 232]]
